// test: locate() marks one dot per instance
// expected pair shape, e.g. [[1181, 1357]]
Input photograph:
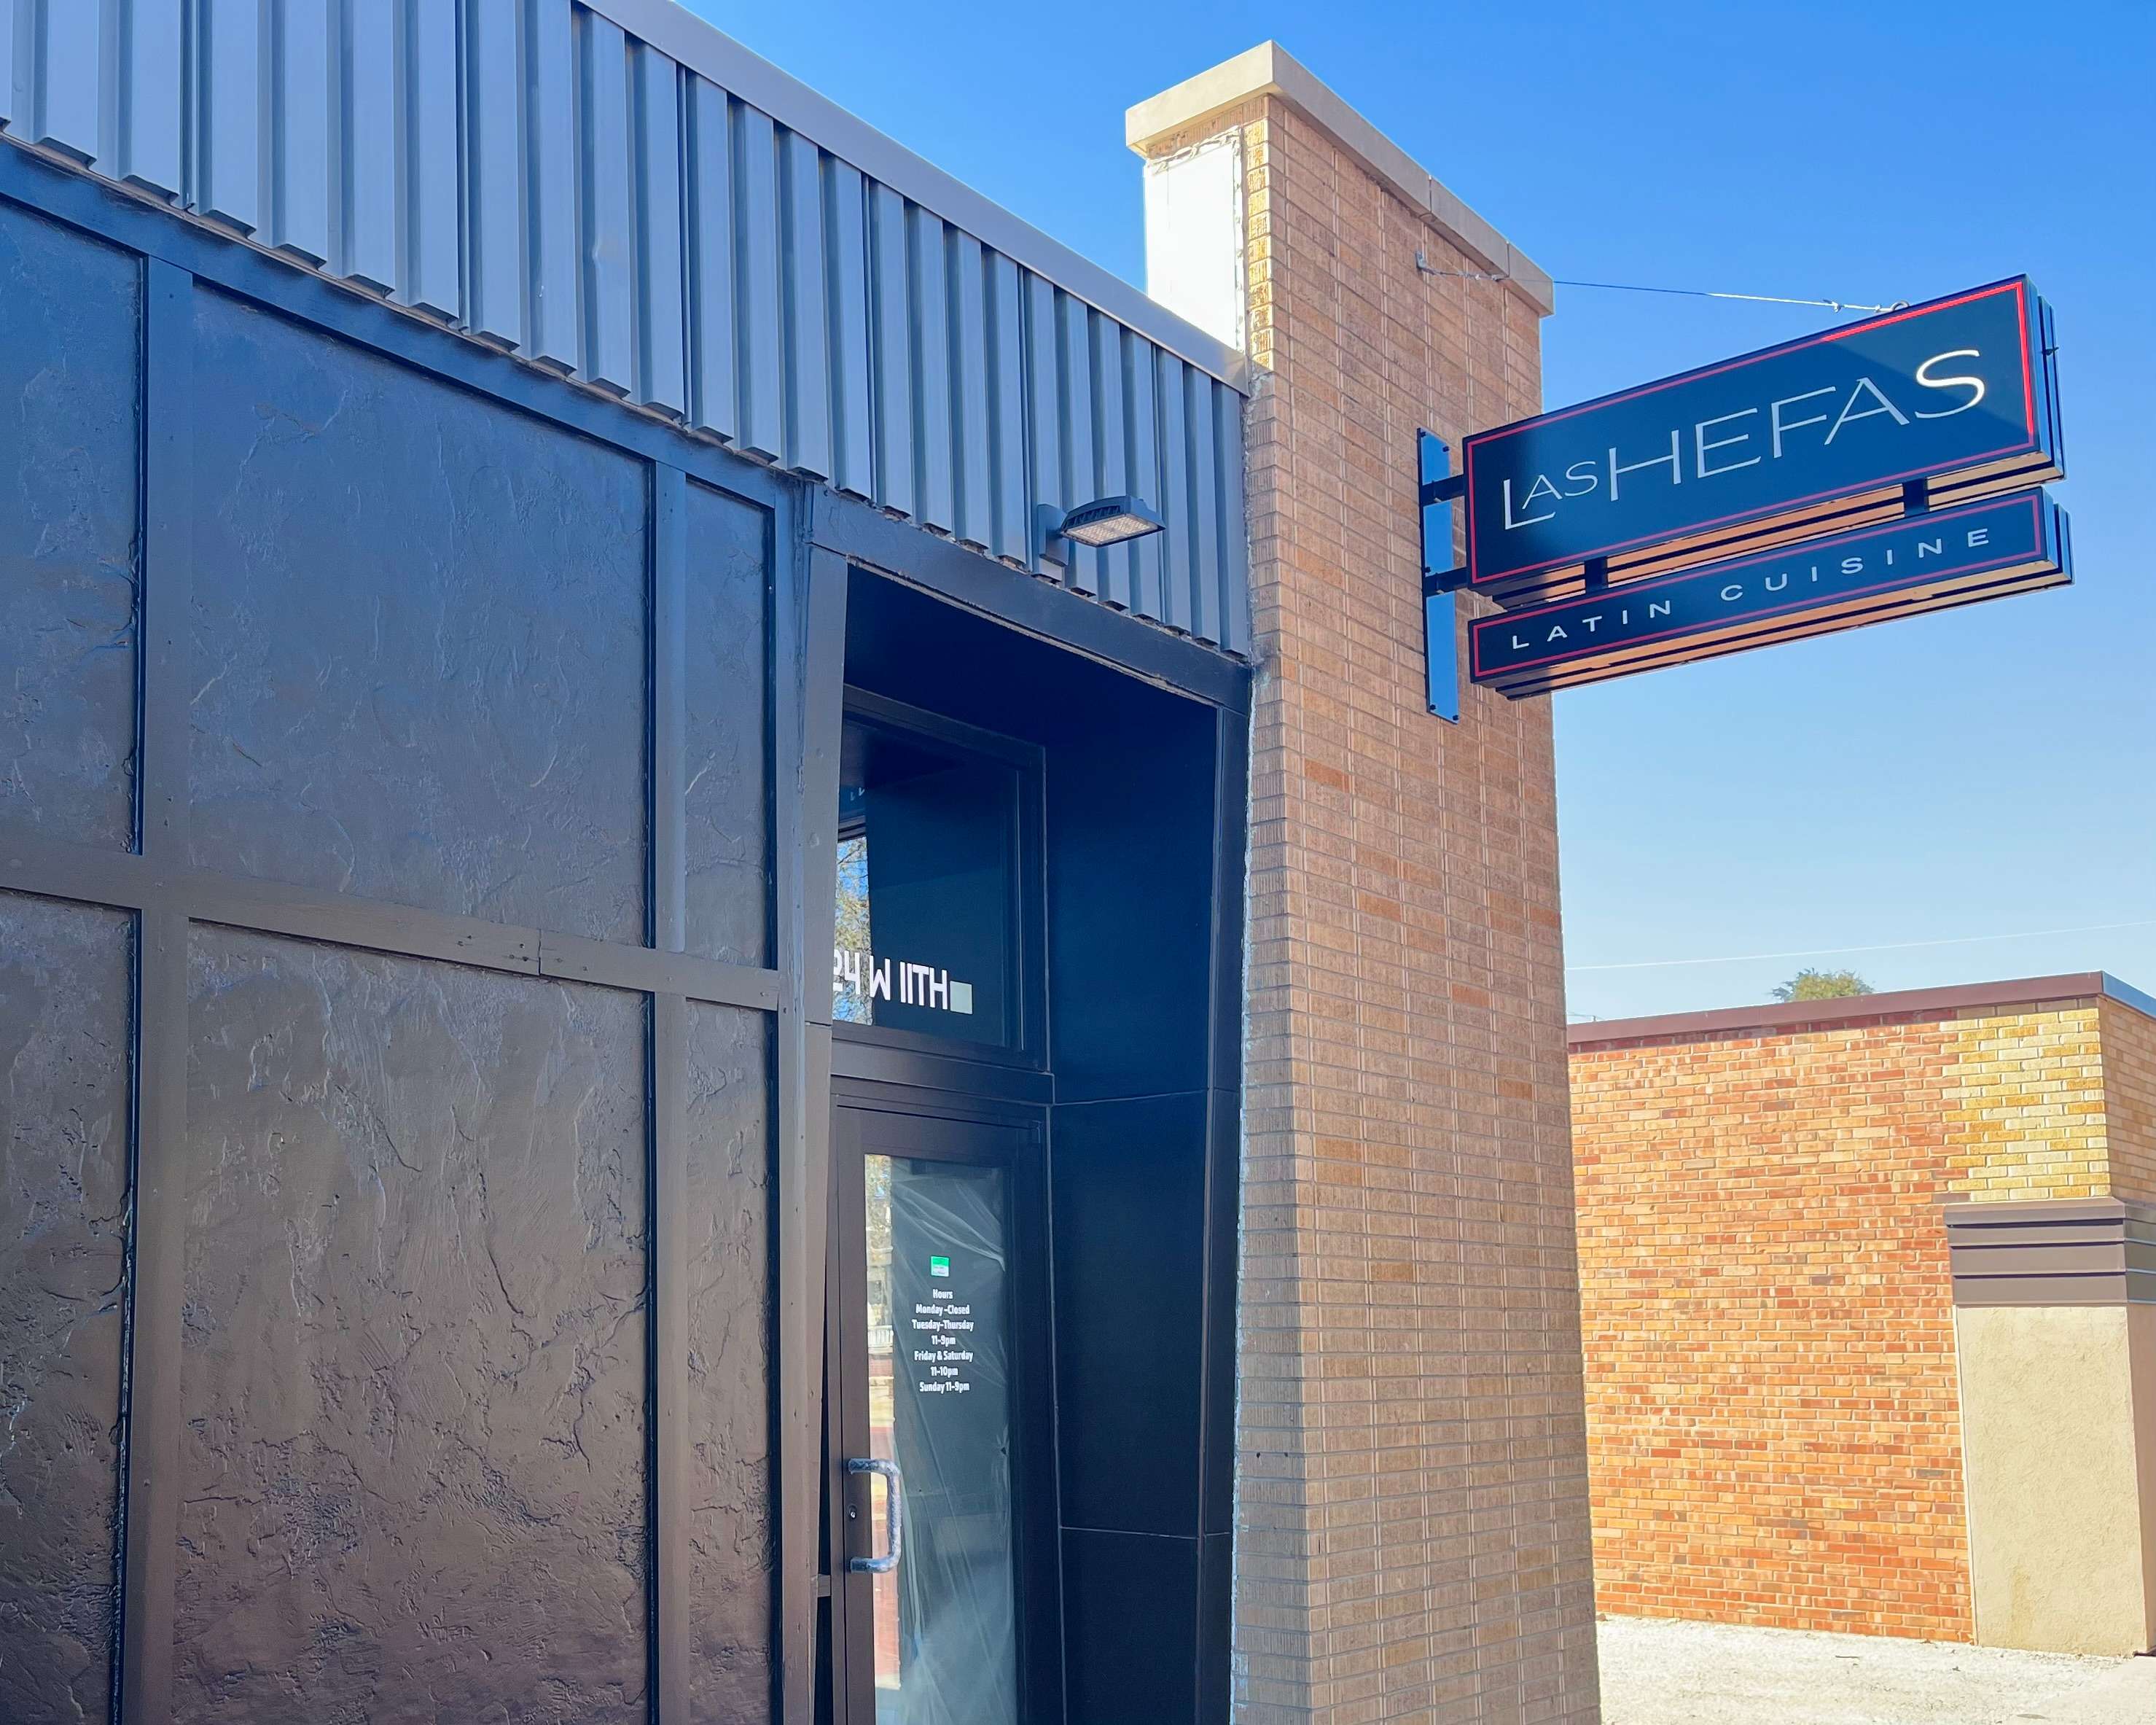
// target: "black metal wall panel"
[[416, 1379], [1129, 1254], [733, 1555], [419, 635], [726, 700], [64, 987], [1130, 1628], [70, 334], [1140, 785]]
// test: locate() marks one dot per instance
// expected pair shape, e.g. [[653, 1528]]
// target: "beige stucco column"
[[1411, 1526], [2056, 1339]]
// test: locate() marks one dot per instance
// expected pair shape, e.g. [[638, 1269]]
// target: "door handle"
[[894, 1513]]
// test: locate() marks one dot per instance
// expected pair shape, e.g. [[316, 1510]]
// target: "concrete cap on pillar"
[[1179, 115]]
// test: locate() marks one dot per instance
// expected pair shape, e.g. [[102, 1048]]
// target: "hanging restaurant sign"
[[1925, 562], [1940, 403]]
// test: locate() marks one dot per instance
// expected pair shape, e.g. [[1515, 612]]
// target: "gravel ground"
[[1656, 1672]]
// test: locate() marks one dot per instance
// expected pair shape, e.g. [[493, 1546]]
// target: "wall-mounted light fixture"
[[1106, 521]]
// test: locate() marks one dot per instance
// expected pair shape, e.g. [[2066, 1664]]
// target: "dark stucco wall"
[[63, 1075], [70, 386], [414, 1338], [732, 1549], [417, 635], [407, 1370], [726, 703], [70, 427]]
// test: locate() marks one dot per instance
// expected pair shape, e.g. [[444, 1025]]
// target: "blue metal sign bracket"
[[1441, 619]]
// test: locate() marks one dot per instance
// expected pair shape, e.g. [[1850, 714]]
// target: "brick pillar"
[[1411, 1532]]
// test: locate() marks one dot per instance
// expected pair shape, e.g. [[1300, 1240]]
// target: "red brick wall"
[[1773, 1429]]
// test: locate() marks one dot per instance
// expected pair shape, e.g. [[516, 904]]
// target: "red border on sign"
[[2019, 287], [1627, 589]]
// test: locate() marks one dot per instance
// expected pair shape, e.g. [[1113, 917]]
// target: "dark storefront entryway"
[[945, 1608], [1033, 1226]]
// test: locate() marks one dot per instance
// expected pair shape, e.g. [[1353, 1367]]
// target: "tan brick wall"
[[2024, 1110], [1773, 1413], [1412, 1534]]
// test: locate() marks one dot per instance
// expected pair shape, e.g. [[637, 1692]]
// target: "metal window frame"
[[1027, 864]]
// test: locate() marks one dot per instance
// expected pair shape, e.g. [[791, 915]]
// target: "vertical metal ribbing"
[[669, 1497], [846, 260], [147, 127], [494, 172], [891, 337], [1205, 506], [713, 379], [1006, 427], [1044, 388], [1141, 417], [552, 335], [807, 318], [604, 229], [149, 1530], [1112, 566], [1081, 475], [1175, 610], [361, 141], [969, 388], [431, 278], [929, 304], [227, 141], [662, 345], [1233, 529], [299, 92], [760, 335], [66, 73]]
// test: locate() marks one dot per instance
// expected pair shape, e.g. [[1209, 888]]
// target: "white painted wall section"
[[1194, 226]]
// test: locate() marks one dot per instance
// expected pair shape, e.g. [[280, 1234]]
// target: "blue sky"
[[1990, 771]]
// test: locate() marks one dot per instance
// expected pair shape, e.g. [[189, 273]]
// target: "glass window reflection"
[[926, 912]]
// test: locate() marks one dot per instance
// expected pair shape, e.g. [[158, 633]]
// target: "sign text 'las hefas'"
[[1955, 397]]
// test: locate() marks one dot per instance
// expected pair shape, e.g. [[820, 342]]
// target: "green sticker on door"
[[939, 1266]]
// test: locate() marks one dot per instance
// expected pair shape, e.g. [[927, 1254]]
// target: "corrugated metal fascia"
[[536, 176], [709, 51]]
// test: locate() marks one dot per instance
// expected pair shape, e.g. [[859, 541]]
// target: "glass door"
[[935, 1613]]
